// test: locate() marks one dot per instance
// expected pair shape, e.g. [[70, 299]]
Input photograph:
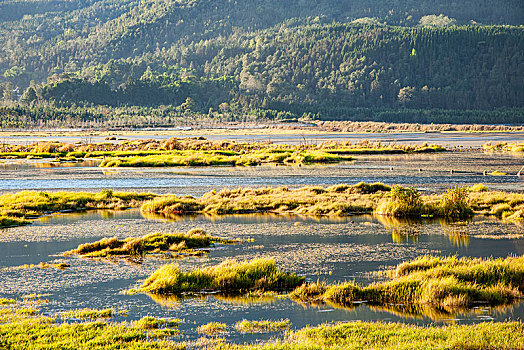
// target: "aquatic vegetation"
[[312, 200], [454, 203], [202, 152], [87, 313], [24, 330], [262, 326], [212, 328], [172, 243], [338, 200], [504, 146], [478, 188], [379, 335], [407, 202], [401, 202], [31, 330], [440, 282], [230, 276], [220, 158], [14, 207], [508, 206], [6, 221]]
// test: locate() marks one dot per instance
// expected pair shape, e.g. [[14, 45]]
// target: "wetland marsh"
[[44, 258]]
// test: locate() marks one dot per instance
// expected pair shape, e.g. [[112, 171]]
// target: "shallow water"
[[333, 250], [426, 172]]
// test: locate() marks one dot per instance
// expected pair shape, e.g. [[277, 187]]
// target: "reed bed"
[[230, 276]]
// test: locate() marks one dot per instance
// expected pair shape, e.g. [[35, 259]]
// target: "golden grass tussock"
[[174, 244], [212, 328], [504, 147], [442, 283], [230, 276]]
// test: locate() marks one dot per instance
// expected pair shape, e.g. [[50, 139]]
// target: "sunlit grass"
[[262, 326], [312, 200], [172, 243], [230, 276], [445, 283], [15, 207]]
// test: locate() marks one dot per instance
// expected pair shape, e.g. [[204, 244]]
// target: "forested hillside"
[[320, 58]]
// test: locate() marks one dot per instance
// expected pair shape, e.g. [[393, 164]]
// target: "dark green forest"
[[89, 60]]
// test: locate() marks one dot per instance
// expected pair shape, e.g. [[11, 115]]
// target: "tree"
[[405, 95], [29, 96]]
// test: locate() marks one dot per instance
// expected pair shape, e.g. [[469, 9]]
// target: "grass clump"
[[407, 202], [172, 243], [230, 276], [478, 188], [263, 326], [15, 207], [212, 328], [443, 283], [401, 202], [88, 313], [8, 221]]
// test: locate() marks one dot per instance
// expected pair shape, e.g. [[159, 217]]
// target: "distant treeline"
[[348, 60], [99, 117]]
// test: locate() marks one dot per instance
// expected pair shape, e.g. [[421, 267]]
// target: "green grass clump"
[[445, 283], [174, 243], [407, 202], [14, 207], [7, 221], [212, 328], [401, 202], [91, 314], [6, 301], [230, 276], [262, 326], [478, 188]]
